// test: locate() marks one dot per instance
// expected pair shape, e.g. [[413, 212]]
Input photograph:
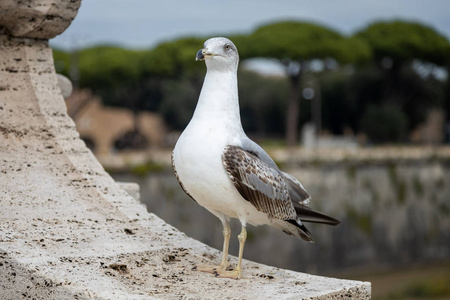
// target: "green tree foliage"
[[384, 124], [179, 100], [263, 102], [300, 41], [346, 97], [177, 57], [132, 78], [62, 61], [167, 78], [114, 73], [396, 45], [183, 79], [243, 44], [295, 44], [106, 67], [447, 103], [405, 41], [338, 109]]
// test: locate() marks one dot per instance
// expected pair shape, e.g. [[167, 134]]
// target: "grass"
[[428, 281], [431, 287], [426, 288], [148, 167]]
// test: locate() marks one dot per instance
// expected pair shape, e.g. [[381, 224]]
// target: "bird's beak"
[[202, 54]]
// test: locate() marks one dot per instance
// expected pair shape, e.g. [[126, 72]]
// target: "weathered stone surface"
[[131, 188], [41, 19]]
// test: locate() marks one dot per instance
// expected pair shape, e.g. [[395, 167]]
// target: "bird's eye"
[[227, 47]]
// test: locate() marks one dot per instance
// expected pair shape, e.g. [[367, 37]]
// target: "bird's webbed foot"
[[233, 274], [211, 268]]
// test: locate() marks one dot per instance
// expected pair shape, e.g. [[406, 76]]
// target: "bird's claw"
[[234, 274], [208, 268]]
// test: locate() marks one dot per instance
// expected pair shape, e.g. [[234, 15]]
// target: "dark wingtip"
[[304, 232], [330, 221], [306, 214]]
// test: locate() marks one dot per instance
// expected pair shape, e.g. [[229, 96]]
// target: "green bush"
[[385, 123]]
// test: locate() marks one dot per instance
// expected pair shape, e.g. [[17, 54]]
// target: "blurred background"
[[353, 100]]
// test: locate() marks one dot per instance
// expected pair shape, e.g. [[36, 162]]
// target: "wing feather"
[[258, 183], [296, 190]]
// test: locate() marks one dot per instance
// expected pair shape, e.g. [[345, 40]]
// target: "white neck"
[[218, 103]]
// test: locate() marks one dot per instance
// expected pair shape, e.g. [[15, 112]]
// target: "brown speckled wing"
[[258, 183], [178, 178]]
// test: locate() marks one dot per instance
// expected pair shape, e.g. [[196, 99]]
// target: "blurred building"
[[107, 129], [431, 132]]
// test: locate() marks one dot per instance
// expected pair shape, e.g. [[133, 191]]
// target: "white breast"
[[197, 159], [198, 153]]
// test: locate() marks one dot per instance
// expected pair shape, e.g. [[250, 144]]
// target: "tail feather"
[[307, 214], [301, 231]]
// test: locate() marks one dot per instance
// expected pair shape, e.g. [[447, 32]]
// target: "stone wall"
[[394, 212], [393, 202]]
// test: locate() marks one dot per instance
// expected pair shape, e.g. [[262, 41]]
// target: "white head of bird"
[[219, 53]]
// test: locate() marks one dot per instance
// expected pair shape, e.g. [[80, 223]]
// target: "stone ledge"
[[136, 256]]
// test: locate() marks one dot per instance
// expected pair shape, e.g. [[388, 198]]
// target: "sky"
[[143, 24]]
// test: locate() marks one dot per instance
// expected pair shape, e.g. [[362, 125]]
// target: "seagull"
[[224, 171]]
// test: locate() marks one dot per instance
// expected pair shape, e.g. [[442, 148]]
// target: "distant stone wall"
[[394, 212], [393, 202]]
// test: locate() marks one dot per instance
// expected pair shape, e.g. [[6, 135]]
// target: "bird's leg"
[[237, 272], [224, 262], [226, 243]]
